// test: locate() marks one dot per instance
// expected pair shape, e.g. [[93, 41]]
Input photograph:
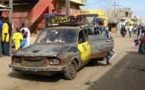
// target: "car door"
[[83, 46], [109, 43], [97, 43], [104, 43]]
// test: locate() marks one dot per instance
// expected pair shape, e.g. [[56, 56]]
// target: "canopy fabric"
[[131, 22], [3, 6], [103, 17]]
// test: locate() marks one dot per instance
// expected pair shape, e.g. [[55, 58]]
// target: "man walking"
[[130, 30], [123, 31]]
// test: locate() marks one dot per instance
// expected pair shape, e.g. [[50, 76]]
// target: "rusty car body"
[[67, 53]]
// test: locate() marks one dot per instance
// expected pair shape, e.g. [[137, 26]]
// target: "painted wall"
[[25, 13], [74, 7], [28, 11]]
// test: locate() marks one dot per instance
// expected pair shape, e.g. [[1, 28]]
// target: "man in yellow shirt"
[[17, 38], [5, 38]]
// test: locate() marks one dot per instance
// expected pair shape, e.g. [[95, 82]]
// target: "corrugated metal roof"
[[4, 7]]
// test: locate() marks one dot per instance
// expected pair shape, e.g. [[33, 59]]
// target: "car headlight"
[[16, 60], [54, 61]]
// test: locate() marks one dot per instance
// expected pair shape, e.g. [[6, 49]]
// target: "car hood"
[[42, 50]]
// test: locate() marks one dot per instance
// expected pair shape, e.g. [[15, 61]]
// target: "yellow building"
[[101, 14]]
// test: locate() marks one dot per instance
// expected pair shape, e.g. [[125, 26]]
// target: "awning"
[[80, 2], [4, 7], [131, 22], [103, 17]]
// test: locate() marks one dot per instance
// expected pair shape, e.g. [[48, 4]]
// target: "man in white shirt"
[[130, 29], [26, 34]]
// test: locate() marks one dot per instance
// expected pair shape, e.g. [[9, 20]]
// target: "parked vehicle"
[[62, 49]]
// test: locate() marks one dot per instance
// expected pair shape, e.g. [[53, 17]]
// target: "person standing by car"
[[26, 34], [10, 31], [96, 20], [5, 38], [17, 38], [104, 31]]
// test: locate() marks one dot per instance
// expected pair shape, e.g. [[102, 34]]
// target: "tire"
[[71, 71]]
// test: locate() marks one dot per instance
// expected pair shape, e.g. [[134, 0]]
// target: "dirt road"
[[85, 79]]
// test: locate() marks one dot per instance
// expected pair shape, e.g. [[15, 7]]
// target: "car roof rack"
[[79, 20]]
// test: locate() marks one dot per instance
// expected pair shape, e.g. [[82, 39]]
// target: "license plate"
[[32, 63]]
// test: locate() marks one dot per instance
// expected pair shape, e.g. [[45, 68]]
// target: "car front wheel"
[[71, 71]]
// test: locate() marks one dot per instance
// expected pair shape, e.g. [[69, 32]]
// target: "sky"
[[137, 6]]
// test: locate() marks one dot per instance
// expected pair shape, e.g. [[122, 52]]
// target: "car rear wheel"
[[71, 71]]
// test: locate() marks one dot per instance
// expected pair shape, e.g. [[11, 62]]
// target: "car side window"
[[82, 37], [42, 37]]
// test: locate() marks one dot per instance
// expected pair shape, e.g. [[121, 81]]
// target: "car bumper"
[[38, 69]]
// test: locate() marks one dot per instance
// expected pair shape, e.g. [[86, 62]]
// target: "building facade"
[[119, 14], [31, 12], [74, 6]]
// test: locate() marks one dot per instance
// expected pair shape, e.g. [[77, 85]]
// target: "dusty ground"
[[88, 78]]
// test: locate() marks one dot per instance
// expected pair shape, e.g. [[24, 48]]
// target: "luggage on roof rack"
[[63, 20], [75, 20]]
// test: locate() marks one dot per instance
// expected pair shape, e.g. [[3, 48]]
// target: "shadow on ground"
[[127, 74], [53, 78]]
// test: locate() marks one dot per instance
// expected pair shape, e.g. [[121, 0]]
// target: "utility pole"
[[114, 10], [10, 20], [67, 7], [11, 10]]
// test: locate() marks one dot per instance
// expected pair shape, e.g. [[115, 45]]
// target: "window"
[[82, 37], [67, 36]]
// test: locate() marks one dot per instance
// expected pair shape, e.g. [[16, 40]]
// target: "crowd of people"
[[20, 38], [126, 28], [140, 31]]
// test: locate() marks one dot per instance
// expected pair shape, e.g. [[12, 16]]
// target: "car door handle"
[[109, 40]]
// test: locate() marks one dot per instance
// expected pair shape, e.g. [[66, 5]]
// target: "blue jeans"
[[110, 54], [6, 49]]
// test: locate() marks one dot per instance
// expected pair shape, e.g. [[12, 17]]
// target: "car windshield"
[[57, 36]]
